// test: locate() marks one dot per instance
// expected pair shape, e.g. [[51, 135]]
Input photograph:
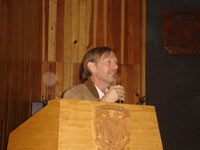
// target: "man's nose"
[[115, 65]]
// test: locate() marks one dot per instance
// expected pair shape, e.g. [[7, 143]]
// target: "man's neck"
[[101, 85]]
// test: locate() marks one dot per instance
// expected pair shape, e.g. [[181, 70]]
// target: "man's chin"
[[113, 81]]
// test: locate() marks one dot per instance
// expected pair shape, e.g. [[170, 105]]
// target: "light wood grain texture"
[[69, 124], [75, 30], [52, 30]]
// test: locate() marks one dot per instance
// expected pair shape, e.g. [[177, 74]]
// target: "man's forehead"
[[107, 54]]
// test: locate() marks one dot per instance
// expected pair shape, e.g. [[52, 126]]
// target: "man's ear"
[[91, 66]]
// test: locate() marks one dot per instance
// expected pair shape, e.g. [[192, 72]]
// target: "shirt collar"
[[101, 94]]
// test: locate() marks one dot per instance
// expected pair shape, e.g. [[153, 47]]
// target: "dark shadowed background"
[[173, 82]]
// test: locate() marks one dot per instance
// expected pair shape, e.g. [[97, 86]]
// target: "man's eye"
[[108, 61]]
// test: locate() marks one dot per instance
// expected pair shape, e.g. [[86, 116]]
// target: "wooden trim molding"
[[143, 50]]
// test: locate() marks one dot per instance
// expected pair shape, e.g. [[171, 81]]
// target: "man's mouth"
[[113, 72]]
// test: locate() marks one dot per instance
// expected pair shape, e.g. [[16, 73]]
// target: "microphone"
[[112, 84], [119, 101]]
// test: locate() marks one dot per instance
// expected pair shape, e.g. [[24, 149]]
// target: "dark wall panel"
[[173, 82], [20, 62]]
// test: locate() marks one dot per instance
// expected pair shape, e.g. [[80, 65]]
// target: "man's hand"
[[114, 93]]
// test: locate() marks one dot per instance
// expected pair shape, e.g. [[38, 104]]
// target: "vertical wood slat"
[[129, 33], [132, 32], [44, 90], [43, 30], [46, 29], [95, 8], [88, 24], [3, 66], [68, 75], [82, 29], [91, 26], [36, 50], [60, 31], [76, 73], [52, 30], [3, 75], [36, 81], [1, 132], [27, 68], [59, 80], [143, 50], [17, 78], [132, 93], [18, 107], [51, 80], [122, 30], [100, 24], [105, 22], [75, 30], [68, 31], [114, 26]]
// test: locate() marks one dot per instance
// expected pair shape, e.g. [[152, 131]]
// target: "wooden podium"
[[88, 125]]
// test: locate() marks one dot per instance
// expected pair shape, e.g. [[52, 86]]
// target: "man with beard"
[[99, 70]]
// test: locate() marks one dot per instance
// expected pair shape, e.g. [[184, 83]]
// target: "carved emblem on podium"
[[112, 127], [181, 32]]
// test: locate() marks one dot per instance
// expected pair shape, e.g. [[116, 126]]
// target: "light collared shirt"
[[101, 94]]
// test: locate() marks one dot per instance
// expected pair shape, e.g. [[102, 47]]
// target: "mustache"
[[113, 71]]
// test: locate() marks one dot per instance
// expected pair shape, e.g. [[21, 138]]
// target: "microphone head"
[[120, 101]]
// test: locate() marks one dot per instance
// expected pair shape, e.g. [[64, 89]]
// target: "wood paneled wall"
[[72, 27], [42, 43], [20, 62]]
